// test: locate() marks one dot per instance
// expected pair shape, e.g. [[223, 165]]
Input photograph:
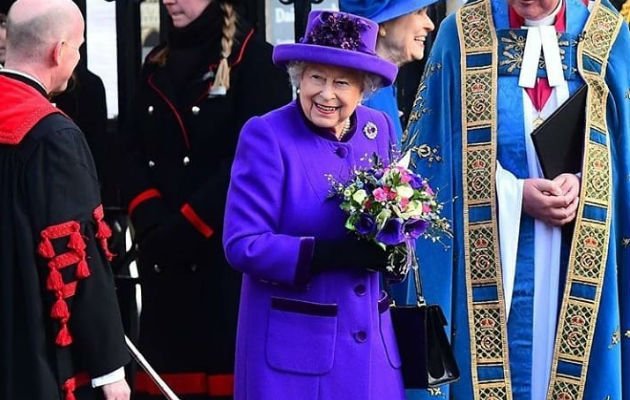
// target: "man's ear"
[[57, 53]]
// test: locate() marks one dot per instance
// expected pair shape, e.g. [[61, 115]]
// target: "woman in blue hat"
[[403, 29]]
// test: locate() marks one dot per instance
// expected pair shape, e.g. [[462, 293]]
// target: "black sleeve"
[[260, 88], [72, 252], [134, 177]]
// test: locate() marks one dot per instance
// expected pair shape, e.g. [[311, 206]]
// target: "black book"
[[559, 140]]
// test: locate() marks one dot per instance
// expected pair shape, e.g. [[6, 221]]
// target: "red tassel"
[[54, 281], [98, 213], [108, 254], [45, 248], [60, 310], [83, 271], [76, 242], [104, 231], [63, 337], [69, 386]]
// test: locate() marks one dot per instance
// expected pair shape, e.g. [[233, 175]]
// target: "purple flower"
[[337, 30], [415, 227], [392, 233], [416, 182], [365, 224]]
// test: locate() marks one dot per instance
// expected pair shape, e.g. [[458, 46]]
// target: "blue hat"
[[383, 10], [339, 39]]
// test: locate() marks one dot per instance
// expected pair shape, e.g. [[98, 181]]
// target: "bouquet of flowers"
[[393, 207]]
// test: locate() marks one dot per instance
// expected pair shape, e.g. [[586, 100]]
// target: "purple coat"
[[301, 336]]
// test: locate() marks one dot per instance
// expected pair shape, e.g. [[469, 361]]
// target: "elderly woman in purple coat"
[[313, 323]]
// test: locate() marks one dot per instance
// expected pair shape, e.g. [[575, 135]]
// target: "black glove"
[[173, 242], [348, 254]]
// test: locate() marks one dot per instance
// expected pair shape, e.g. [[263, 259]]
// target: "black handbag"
[[426, 355]]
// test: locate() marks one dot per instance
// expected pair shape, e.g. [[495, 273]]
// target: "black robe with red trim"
[[181, 148], [59, 320]]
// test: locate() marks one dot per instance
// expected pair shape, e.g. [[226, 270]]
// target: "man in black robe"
[[60, 330]]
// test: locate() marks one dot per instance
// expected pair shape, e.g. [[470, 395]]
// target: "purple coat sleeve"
[[253, 211]]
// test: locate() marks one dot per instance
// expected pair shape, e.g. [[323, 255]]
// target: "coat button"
[[195, 110], [342, 152], [151, 163], [360, 290], [150, 110], [360, 336], [186, 160]]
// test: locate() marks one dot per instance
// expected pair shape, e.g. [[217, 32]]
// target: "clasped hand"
[[553, 201]]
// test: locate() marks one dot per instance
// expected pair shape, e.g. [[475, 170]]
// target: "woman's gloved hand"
[[348, 253]]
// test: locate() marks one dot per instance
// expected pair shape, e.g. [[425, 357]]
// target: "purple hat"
[[339, 39]]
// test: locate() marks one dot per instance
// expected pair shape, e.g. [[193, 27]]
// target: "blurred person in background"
[[197, 90], [404, 26]]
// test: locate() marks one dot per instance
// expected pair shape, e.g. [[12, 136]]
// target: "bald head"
[[43, 37], [34, 25]]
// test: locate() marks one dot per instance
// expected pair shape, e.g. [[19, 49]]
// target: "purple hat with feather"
[[339, 39]]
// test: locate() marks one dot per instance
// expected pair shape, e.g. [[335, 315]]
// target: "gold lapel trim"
[[487, 322], [589, 245]]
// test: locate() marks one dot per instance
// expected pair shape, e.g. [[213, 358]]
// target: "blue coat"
[[300, 336]]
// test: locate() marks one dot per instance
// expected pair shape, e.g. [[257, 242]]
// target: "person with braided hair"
[[197, 90]]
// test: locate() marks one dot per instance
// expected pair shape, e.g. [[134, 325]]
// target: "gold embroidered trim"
[[589, 245], [486, 320], [600, 33], [514, 48], [435, 392], [616, 338], [419, 109]]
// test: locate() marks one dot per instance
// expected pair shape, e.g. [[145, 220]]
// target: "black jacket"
[[180, 150], [59, 319], [183, 140]]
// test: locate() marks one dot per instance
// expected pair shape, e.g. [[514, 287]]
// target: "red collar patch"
[[25, 107]]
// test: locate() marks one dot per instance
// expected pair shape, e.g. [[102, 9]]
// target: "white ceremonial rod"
[[166, 391]]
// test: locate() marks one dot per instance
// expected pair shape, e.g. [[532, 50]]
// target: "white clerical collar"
[[25, 75], [542, 37]]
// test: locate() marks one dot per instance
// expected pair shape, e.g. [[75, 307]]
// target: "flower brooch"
[[370, 130]]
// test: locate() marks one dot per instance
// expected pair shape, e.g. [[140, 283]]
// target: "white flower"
[[382, 217], [404, 191], [359, 196]]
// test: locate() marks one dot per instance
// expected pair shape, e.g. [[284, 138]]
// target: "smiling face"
[[402, 39], [329, 95], [533, 9], [183, 12]]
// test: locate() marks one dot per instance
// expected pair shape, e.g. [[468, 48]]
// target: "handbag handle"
[[412, 266]]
